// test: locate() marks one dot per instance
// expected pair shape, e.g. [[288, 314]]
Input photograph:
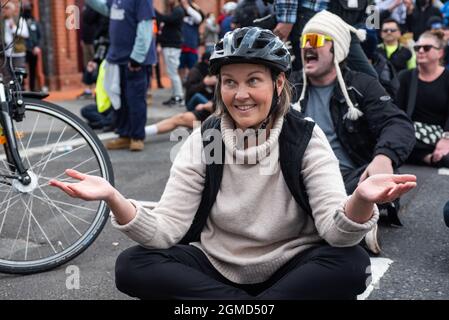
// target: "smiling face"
[[247, 92], [318, 62], [433, 56]]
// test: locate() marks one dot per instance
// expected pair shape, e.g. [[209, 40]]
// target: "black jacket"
[[399, 58], [383, 128], [195, 84], [171, 34], [293, 141]]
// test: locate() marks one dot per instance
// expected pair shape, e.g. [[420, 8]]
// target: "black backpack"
[[293, 141]]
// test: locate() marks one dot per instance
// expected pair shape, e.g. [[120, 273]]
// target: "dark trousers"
[[184, 272], [32, 67], [95, 118], [421, 150], [132, 115]]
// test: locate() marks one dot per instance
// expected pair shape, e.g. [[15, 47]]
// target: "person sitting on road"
[[99, 115], [186, 119], [258, 212], [199, 85], [401, 57], [424, 95], [367, 132]]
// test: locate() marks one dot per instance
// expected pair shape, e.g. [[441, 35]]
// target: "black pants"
[[184, 272], [32, 67], [421, 150]]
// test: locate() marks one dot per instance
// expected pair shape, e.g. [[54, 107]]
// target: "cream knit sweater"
[[255, 225]]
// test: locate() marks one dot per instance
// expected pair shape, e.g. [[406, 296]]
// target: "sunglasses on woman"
[[426, 47], [315, 40]]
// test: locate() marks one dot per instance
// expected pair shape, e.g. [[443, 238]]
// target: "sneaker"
[[371, 243], [119, 143], [393, 214], [173, 101], [85, 95], [136, 145]]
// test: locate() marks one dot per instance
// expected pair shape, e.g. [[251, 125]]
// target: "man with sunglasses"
[[367, 132], [292, 16], [401, 57]]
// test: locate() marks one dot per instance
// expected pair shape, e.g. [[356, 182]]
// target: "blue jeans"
[[195, 100]]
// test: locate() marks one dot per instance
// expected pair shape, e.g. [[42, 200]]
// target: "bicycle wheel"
[[40, 226]]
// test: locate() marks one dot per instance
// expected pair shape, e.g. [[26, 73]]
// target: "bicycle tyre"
[[76, 148]]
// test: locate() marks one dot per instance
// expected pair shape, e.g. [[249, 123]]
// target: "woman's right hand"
[[88, 188]]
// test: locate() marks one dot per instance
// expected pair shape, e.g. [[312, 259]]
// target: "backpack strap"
[[212, 181], [412, 93], [293, 141]]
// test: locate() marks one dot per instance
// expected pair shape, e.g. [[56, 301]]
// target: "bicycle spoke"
[[28, 230], [55, 216], [48, 147], [54, 147], [16, 196], [52, 202], [48, 137], [32, 132], [68, 204], [68, 179], [57, 157], [4, 216], [18, 230], [44, 149], [40, 227]]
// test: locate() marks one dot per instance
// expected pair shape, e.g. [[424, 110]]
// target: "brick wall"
[[61, 52], [65, 44]]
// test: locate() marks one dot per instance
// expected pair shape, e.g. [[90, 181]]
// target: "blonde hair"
[[284, 99], [438, 36]]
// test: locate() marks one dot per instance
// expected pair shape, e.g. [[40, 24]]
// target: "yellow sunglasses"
[[314, 39]]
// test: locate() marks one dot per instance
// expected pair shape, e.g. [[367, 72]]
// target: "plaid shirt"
[[286, 10]]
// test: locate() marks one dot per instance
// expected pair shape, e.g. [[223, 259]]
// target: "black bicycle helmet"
[[250, 45]]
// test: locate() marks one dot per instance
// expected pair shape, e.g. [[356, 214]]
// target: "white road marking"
[[379, 267], [443, 172]]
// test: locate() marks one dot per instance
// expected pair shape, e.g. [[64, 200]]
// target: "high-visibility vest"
[[102, 99]]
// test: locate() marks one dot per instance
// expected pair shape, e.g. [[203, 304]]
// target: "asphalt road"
[[419, 250]]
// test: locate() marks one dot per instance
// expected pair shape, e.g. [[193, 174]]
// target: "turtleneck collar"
[[254, 153]]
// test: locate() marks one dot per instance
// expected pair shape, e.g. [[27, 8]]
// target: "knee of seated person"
[[132, 267], [123, 271], [359, 268]]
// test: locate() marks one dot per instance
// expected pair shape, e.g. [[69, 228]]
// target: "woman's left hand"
[[441, 149], [383, 188]]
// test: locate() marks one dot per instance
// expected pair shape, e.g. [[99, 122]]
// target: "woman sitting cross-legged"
[[268, 218]]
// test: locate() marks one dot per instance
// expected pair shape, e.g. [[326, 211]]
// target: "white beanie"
[[329, 24]]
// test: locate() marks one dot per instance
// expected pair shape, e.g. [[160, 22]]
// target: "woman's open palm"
[[88, 188], [382, 188]]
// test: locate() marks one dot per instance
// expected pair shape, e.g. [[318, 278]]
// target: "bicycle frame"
[[8, 99]]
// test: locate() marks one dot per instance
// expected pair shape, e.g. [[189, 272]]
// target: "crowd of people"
[[339, 104]]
